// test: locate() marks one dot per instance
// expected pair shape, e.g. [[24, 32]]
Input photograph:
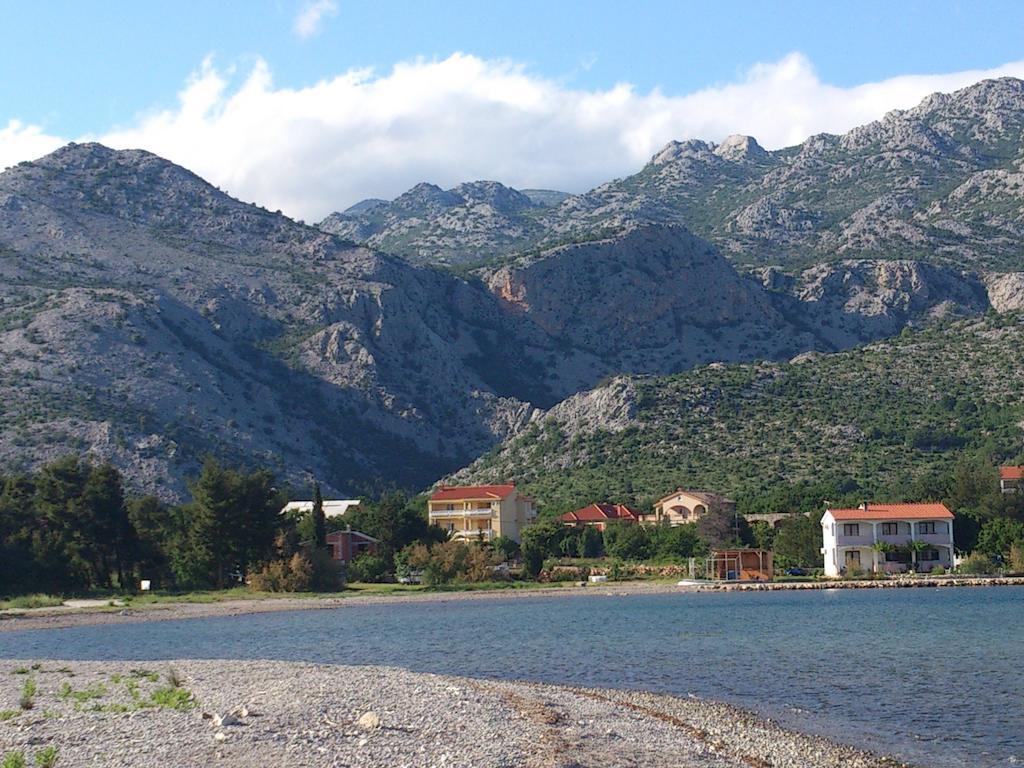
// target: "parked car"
[[796, 572]]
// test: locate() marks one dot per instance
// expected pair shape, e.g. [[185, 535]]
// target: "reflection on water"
[[933, 674]]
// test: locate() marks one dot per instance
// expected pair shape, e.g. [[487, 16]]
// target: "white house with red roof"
[[887, 537], [481, 512], [1011, 479], [599, 515]]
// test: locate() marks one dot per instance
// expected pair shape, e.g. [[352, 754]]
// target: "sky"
[[311, 105]]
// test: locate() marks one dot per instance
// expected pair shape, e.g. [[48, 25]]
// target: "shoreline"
[[14, 620], [291, 713]]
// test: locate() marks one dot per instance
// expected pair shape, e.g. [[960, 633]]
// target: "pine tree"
[[319, 519]]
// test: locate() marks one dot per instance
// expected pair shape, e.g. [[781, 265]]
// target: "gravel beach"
[[225, 713]]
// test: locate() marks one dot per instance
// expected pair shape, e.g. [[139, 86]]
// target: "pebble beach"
[[228, 713]]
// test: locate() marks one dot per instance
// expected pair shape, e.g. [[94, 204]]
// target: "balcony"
[[476, 534], [472, 513]]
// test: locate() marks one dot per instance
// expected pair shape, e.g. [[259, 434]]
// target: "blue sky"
[[72, 70]]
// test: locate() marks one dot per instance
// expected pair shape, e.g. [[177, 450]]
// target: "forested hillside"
[[889, 420]]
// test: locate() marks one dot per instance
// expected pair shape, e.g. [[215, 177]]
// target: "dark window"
[[929, 554], [851, 529], [890, 529], [897, 557], [926, 527]]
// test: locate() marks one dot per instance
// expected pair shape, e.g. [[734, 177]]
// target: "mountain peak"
[[738, 148], [676, 150]]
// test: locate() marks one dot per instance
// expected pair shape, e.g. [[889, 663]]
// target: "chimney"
[[863, 506]]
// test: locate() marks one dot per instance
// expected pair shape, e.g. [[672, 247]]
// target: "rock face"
[[943, 182], [470, 223], [653, 300]]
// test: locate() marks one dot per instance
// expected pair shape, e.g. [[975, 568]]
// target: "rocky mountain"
[[148, 318], [430, 225], [942, 183], [876, 421]]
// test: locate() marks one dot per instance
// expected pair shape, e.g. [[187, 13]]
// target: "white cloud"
[[319, 148], [24, 142], [312, 15]]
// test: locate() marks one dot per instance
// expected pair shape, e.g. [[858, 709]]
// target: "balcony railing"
[[461, 512], [479, 533]]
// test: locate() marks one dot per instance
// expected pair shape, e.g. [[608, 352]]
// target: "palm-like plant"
[[916, 546], [883, 547]]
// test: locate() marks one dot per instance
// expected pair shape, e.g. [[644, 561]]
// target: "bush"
[[453, 560], [304, 571], [977, 563], [1017, 558], [370, 569], [938, 570]]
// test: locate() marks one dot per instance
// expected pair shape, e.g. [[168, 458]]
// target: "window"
[[851, 529], [929, 554], [890, 529], [451, 526], [449, 507], [853, 557], [926, 527], [897, 557]]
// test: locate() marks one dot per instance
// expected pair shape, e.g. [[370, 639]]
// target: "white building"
[[887, 537], [332, 507]]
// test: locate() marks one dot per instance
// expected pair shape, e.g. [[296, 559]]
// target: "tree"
[[797, 542], [102, 509], [505, 547], [319, 520], [627, 542], [999, 535], [674, 542], [720, 528], [539, 541], [591, 542]]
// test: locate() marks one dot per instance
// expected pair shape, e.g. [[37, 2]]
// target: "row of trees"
[[70, 527]]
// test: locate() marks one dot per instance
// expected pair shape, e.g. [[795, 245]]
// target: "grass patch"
[[28, 695], [46, 757], [14, 760], [172, 697], [31, 601], [7, 714], [90, 692]]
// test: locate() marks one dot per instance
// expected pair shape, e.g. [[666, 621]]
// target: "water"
[[933, 675]]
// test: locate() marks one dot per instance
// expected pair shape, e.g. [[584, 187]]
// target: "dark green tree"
[[319, 520], [797, 542]]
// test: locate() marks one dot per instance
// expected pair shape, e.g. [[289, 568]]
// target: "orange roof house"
[[599, 515], [481, 512], [889, 538], [1011, 479]]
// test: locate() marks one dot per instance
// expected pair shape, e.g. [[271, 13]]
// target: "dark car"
[[796, 572]]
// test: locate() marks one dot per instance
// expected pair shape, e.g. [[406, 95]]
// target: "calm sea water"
[[934, 675]]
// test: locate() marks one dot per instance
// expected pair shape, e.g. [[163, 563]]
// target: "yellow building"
[[682, 506], [481, 512]]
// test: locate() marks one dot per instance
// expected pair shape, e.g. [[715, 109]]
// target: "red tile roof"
[[599, 513], [472, 492], [1011, 473], [894, 512]]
